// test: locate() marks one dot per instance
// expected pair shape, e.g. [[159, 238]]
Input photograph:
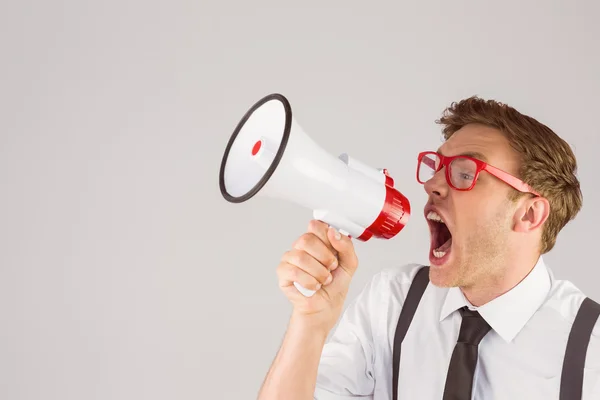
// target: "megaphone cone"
[[269, 154]]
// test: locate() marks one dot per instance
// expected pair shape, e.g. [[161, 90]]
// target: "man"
[[492, 323]]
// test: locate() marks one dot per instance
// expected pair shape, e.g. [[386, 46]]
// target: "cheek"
[[470, 208], [474, 216]]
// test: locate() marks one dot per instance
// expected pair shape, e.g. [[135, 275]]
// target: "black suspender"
[[572, 373], [575, 354], [417, 287]]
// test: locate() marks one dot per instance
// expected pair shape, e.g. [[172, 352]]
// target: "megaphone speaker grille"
[[255, 148]]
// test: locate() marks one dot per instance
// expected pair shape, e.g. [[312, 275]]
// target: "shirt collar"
[[508, 313]]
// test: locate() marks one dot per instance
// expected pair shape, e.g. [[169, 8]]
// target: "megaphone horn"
[[270, 154]]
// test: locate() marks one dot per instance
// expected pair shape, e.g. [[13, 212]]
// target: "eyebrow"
[[473, 154]]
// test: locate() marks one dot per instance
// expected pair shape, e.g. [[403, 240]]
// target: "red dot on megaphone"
[[256, 147]]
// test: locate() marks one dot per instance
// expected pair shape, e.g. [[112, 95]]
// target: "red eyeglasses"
[[462, 171]]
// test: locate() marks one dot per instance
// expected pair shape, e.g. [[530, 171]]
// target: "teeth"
[[439, 254], [433, 216]]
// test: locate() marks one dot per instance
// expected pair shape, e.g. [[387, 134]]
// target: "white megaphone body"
[[269, 154]]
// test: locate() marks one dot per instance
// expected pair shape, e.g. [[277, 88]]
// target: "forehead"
[[482, 142]]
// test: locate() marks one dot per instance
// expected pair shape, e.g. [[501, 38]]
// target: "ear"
[[531, 214]]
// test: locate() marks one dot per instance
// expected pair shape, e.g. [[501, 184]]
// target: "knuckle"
[[313, 282], [321, 273], [283, 267], [283, 270], [331, 255], [287, 256], [294, 274], [303, 241], [324, 278], [315, 225], [289, 272], [305, 278], [327, 258], [332, 260], [314, 285], [299, 258]]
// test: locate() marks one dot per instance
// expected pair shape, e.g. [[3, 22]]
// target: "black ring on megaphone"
[[278, 156]]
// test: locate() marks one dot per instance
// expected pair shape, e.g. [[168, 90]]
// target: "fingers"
[[306, 263], [345, 248], [314, 245], [340, 245], [319, 229], [289, 273], [316, 257]]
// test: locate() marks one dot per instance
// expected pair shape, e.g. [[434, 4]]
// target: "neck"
[[493, 283]]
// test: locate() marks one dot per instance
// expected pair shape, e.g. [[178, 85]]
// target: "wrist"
[[313, 325]]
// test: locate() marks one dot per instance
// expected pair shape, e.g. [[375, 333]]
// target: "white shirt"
[[520, 358]]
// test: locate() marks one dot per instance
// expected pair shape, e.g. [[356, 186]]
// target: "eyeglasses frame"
[[504, 176]]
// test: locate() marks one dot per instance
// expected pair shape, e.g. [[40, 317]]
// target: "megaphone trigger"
[[343, 232]]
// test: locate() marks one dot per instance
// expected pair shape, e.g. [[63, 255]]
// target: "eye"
[[464, 169]]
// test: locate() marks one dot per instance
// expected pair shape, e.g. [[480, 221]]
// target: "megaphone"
[[269, 154]]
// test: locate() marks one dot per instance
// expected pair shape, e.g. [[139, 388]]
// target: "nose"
[[437, 186]]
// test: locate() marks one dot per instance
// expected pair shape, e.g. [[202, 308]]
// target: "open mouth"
[[441, 238]]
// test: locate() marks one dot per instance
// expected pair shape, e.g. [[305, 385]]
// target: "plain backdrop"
[[124, 274]]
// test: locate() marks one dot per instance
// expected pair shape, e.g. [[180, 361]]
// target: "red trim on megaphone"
[[388, 179], [393, 216]]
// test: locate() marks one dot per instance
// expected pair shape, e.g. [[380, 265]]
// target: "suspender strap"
[[571, 385], [415, 292]]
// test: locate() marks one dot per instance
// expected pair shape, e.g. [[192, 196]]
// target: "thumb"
[[347, 259]]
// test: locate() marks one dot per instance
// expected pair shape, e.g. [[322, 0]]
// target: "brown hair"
[[547, 161]]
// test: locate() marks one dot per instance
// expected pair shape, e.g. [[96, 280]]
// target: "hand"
[[323, 262]]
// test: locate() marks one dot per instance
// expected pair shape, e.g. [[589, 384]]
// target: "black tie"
[[459, 382]]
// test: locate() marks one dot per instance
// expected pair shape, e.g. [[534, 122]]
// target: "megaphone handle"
[[308, 292]]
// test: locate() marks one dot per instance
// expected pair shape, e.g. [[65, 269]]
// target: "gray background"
[[123, 272]]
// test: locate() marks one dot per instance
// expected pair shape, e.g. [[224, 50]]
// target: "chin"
[[443, 271], [441, 280]]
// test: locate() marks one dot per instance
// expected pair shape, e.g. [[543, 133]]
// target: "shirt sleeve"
[[346, 365]]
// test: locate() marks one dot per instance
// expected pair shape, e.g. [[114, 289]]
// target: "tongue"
[[445, 246]]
